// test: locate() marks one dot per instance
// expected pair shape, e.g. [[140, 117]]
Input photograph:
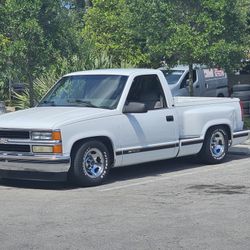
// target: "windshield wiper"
[[50, 103], [85, 103]]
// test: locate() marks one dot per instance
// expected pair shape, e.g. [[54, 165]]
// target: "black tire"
[[90, 164], [215, 146], [246, 104], [242, 93], [246, 111], [241, 87], [243, 96]]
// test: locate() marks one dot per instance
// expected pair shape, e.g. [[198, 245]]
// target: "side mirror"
[[135, 107]]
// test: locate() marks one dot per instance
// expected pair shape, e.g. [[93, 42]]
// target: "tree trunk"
[[31, 90], [191, 80], [88, 3]]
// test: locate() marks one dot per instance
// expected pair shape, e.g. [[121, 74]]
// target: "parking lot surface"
[[173, 204]]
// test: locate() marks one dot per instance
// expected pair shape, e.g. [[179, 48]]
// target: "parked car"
[[242, 91], [207, 82], [92, 121]]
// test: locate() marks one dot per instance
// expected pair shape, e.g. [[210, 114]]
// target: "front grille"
[[14, 134], [14, 148]]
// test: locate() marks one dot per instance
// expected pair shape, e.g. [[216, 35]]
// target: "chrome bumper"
[[35, 163]]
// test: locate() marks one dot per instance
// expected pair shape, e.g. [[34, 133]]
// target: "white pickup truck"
[[92, 121]]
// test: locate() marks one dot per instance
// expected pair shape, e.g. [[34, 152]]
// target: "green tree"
[[212, 32], [36, 36], [208, 32], [107, 25]]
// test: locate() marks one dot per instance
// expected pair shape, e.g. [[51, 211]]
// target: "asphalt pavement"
[[242, 149], [173, 204]]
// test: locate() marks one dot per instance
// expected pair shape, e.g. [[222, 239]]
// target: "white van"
[[207, 82]]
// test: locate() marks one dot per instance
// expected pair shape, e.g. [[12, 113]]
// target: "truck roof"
[[185, 67], [125, 72]]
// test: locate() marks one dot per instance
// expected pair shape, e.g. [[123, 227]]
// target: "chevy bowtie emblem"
[[3, 140]]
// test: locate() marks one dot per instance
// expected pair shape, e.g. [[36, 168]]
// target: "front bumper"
[[35, 167]]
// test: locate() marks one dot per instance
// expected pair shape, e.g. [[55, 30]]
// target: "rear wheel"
[[91, 164], [215, 146]]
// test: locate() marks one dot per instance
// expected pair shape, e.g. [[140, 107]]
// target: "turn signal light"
[[57, 149], [56, 136]]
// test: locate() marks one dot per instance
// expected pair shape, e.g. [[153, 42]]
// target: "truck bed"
[[197, 114], [180, 101]]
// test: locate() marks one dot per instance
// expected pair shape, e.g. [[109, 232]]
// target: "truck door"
[[199, 85], [152, 135]]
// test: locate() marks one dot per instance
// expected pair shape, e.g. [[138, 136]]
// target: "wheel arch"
[[225, 126], [104, 139]]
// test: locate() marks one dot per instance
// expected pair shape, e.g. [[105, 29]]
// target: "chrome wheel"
[[93, 162], [217, 144]]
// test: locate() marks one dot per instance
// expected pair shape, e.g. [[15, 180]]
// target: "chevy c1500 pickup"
[[92, 121]]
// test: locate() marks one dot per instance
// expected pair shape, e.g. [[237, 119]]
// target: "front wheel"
[[215, 146], [91, 164]]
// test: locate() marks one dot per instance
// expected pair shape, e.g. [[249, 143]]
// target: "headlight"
[[46, 136], [41, 136]]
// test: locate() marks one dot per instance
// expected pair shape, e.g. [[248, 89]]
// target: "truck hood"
[[51, 117]]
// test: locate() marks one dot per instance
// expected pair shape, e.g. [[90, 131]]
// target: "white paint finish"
[[128, 131], [51, 117], [181, 101], [195, 122], [189, 149], [197, 114], [192, 117], [148, 130], [124, 72], [110, 127]]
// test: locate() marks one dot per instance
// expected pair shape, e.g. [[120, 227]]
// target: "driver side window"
[[147, 89], [184, 81]]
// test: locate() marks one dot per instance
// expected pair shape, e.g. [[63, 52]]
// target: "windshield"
[[172, 76], [97, 91]]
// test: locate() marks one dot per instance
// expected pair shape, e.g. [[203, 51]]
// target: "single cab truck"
[[92, 121]]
